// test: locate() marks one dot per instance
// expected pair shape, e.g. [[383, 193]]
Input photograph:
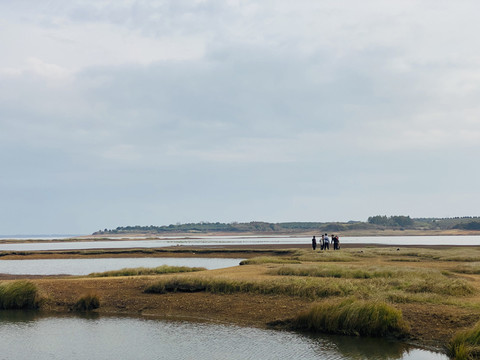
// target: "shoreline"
[[201, 251], [195, 235]]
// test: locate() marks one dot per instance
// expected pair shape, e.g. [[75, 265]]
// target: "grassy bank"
[[87, 302], [409, 279], [307, 288], [164, 269], [465, 345], [353, 317], [18, 295]]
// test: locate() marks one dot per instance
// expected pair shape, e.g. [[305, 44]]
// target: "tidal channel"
[[30, 335]]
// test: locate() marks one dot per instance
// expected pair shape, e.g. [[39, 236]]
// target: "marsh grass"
[[269, 260], [403, 259], [309, 288], [401, 297], [473, 269], [326, 256], [18, 295], [441, 286], [406, 285], [164, 269], [465, 345], [314, 281], [354, 317], [332, 271], [87, 302], [450, 255]]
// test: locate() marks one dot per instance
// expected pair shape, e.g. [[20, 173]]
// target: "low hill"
[[374, 224]]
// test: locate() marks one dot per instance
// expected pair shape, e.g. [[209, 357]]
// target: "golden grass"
[[18, 295], [465, 345], [394, 284], [309, 288], [454, 254], [164, 269], [354, 317], [471, 268], [87, 302], [269, 260]]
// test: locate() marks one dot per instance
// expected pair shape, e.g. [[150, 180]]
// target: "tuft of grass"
[[400, 297], [465, 345], [441, 286], [404, 259], [451, 255], [354, 317], [326, 256], [18, 295], [269, 260], [331, 271], [309, 288], [87, 302], [164, 269], [473, 269]]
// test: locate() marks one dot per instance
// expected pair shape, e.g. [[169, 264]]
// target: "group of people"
[[325, 242]]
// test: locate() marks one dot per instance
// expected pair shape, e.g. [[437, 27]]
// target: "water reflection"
[[120, 338], [366, 348]]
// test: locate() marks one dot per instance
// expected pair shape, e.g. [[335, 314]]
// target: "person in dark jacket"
[[336, 242], [314, 243]]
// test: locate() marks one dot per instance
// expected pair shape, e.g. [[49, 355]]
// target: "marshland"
[[426, 296]]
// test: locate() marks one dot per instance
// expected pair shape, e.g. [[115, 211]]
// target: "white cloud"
[[44, 69], [76, 46]]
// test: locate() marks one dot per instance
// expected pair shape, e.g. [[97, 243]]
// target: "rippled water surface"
[[87, 266], [119, 338]]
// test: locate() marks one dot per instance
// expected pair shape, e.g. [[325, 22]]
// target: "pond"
[[118, 338], [127, 243], [87, 266]]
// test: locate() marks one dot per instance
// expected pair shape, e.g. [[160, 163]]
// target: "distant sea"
[[39, 236]]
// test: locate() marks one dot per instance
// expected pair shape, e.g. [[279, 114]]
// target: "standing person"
[[335, 242], [314, 243], [322, 242], [326, 244]]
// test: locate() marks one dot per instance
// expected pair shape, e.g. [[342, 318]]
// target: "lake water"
[[87, 266], [234, 240], [27, 335]]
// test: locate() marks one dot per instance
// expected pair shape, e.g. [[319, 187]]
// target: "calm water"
[[236, 240], [119, 338], [87, 266]]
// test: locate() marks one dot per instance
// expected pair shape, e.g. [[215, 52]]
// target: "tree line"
[[380, 222]]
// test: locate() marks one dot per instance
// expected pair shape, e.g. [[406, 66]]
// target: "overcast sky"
[[116, 113]]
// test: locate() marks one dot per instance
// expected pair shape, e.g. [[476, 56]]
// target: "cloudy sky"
[[116, 113]]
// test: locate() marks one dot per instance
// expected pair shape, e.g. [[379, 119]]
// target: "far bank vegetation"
[[378, 222]]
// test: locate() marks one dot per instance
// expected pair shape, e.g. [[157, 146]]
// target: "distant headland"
[[375, 225]]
